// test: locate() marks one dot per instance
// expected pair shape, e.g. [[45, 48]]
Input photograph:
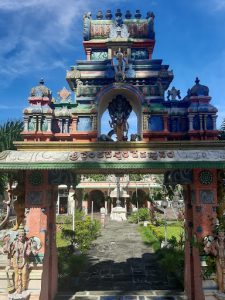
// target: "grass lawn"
[[153, 235], [173, 229], [149, 238], [171, 259], [59, 241]]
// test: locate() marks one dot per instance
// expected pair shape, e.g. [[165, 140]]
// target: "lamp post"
[[118, 202], [164, 205], [137, 202]]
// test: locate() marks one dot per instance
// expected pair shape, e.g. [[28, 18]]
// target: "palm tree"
[[221, 135], [9, 132]]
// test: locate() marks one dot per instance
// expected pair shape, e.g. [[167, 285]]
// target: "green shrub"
[[64, 219], [85, 232], [172, 262], [210, 267], [170, 258], [71, 264], [140, 215]]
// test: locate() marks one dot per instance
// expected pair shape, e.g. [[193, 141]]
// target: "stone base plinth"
[[34, 295], [23, 296], [118, 214], [34, 285]]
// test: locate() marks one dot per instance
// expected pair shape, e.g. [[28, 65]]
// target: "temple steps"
[[118, 295]]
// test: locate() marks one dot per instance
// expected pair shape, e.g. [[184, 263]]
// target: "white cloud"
[[34, 34], [218, 5], [212, 6]]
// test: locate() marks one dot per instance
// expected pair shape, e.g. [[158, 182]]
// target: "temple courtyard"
[[122, 267]]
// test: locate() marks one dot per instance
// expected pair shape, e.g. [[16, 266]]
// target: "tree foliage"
[[221, 135], [9, 132], [97, 177]]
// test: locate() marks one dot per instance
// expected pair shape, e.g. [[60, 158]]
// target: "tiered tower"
[[119, 75]]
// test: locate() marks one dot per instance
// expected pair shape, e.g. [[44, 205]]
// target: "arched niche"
[[132, 95]]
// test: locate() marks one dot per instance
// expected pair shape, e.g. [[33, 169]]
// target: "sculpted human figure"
[[217, 248], [18, 254], [120, 66]]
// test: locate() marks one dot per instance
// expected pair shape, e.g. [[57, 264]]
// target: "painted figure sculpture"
[[19, 252]]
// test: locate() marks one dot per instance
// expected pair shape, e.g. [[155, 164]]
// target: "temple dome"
[[41, 91], [198, 89]]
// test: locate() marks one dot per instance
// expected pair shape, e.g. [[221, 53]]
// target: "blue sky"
[[43, 38]]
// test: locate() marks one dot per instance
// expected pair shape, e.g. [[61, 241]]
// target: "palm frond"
[[10, 132]]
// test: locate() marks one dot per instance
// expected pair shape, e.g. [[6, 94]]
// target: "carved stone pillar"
[[40, 222], [88, 53], [94, 122], [74, 124], [201, 120], [145, 122], [149, 53], [200, 214], [165, 122], [39, 120], [61, 125], [26, 119], [49, 121], [66, 129], [190, 119], [214, 117], [109, 53], [205, 122]]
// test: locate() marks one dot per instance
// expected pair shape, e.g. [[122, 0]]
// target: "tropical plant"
[[9, 132], [135, 177], [97, 177], [140, 215], [221, 135]]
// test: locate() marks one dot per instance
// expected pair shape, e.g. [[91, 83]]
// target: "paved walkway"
[[119, 261]]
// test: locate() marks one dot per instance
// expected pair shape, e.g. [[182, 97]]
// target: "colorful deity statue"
[[216, 247], [119, 111], [120, 65], [19, 252]]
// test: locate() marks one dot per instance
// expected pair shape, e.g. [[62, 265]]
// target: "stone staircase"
[[118, 295]]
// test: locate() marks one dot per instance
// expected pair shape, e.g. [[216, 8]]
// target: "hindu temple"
[[64, 135]]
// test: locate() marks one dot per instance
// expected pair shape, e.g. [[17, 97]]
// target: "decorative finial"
[[118, 13], [108, 15], [99, 15], [128, 15], [197, 80], [173, 93], [42, 81], [138, 14]]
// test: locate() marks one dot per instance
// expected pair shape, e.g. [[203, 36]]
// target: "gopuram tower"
[[120, 76]]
